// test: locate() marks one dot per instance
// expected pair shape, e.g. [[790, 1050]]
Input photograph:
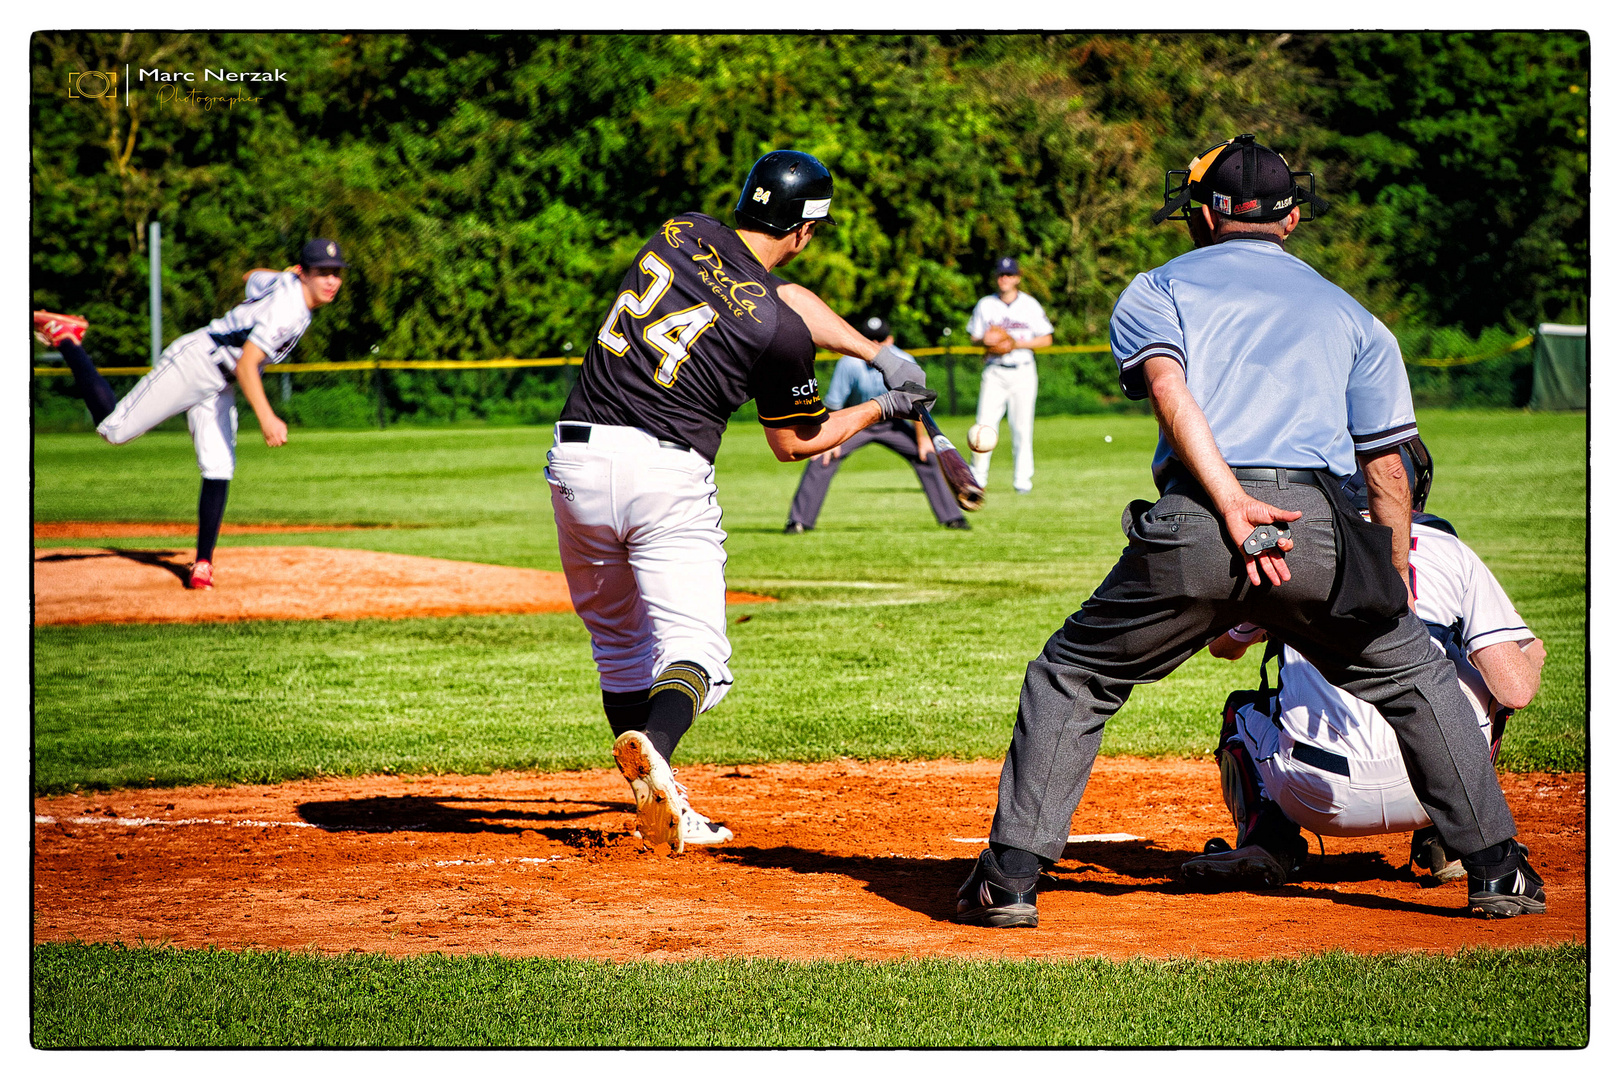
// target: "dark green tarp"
[[1560, 372]]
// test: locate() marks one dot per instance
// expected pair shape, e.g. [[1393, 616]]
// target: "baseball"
[[982, 438], [1108, 438]]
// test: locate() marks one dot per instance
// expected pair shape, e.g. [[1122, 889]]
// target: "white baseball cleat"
[[697, 829], [659, 801]]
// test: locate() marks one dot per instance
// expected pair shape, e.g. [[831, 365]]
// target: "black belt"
[[1282, 476], [571, 432], [226, 371], [1177, 476], [1326, 760]]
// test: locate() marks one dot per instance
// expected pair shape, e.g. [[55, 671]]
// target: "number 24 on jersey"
[[671, 336]]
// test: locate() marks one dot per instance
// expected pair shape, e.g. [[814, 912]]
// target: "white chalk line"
[[492, 862]]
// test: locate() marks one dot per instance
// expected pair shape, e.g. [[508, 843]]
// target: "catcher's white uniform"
[[1008, 384], [1329, 760], [193, 374]]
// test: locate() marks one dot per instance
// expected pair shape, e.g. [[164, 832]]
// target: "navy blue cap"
[[321, 252], [1006, 265]]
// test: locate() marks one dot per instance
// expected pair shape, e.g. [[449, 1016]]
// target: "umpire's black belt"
[[1281, 477], [1178, 477], [571, 432]]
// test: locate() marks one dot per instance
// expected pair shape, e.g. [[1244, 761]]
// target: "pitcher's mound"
[[94, 585]]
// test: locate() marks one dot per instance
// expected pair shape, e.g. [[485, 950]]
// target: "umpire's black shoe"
[[957, 523], [794, 528], [990, 898], [1517, 892]]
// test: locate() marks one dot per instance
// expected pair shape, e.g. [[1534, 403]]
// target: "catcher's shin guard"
[[1240, 781]]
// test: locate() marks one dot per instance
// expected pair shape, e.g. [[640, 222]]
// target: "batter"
[[700, 325]]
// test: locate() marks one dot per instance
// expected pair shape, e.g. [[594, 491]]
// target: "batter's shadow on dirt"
[[160, 559], [450, 814]]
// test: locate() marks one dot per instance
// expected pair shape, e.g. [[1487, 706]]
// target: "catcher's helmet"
[[1241, 180], [1419, 477], [784, 189]]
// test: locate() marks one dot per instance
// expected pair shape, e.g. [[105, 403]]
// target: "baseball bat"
[[969, 495]]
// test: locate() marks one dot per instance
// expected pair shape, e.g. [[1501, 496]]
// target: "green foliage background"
[[490, 188]]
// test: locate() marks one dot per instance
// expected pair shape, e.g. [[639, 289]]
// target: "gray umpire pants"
[[1178, 585], [899, 436]]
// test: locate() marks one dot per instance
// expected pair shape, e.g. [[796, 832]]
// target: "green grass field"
[[894, 638], [100, 995]]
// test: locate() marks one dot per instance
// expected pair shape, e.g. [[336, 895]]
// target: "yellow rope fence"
[[565, 361]]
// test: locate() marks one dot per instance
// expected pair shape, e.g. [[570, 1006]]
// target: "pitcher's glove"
[[908, 401], [896, 369], [998, 341]]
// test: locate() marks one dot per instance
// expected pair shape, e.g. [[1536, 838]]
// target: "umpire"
[[855, 381], [1269, 384]]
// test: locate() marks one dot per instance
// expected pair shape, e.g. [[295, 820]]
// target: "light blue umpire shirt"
[[1290, 371], [853, 382]]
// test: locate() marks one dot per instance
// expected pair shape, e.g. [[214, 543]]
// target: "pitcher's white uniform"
[[1008, 384], [1330, 760], [193, 376]]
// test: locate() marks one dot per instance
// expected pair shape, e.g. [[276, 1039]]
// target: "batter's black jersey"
[[696, 331]]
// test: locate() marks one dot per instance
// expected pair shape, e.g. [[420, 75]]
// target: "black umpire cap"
[[320, 252], [1240, 179]]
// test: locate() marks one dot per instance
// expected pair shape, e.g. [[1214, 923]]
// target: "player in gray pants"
[[853, 382], [1269, 384]]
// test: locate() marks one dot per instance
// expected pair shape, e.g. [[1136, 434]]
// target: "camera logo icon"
[[92, 84]]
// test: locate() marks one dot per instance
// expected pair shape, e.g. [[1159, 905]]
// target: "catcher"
[[1310, 755]]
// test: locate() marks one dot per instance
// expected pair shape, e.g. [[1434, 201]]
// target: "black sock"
[[1494, 861], [673, 703], [210, 513], [626, 710], [97, 395], [1016, 863]]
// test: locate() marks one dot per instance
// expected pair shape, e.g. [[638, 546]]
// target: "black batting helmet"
[[1419, 477], [1241, 180], [785, 189]]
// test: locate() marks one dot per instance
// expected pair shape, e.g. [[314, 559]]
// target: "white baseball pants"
[[1009, 391], [184, 380], [1358, 788], [638, 529]]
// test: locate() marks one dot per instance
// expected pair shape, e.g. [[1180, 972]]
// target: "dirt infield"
[[98, 585], [844, 859]]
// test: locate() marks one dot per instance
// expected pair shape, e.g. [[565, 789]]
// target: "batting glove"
[[897, 369], [908, 401]]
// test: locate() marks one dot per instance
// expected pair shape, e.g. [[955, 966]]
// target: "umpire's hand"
[[1242, 516]]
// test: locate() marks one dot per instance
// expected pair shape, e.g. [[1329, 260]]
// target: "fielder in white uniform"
[[699, 326], [1330, 762], [195, 375], [1010, 324]]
